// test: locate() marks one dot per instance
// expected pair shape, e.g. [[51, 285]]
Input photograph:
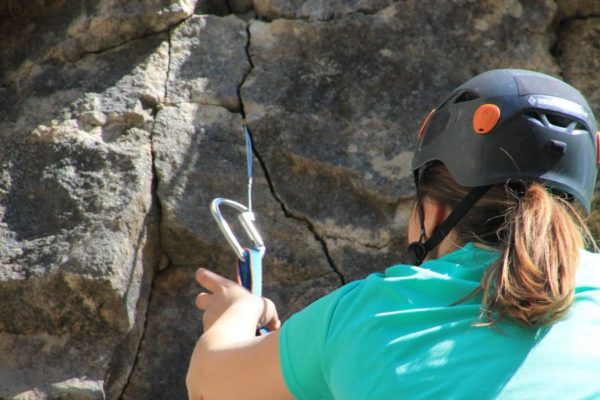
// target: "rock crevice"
[[273, 190]]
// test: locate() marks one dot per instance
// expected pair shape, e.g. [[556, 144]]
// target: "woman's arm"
[[229, 361]]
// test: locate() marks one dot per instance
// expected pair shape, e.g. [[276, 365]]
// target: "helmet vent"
[[559, 120], [466, 96], [551, 120]]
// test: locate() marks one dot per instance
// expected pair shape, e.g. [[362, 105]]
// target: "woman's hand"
[[229, 350], [226, 299]]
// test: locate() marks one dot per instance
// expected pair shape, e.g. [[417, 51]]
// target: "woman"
[[496, 299]]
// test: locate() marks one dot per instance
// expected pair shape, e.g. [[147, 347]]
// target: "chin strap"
[[417, 251]]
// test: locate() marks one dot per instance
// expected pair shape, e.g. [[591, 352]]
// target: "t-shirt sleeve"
[[302, 347]]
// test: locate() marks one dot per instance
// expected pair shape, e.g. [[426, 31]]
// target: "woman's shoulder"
[[589, 270], [590, 260]]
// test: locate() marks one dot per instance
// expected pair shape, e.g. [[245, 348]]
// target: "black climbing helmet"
[[510, 125]]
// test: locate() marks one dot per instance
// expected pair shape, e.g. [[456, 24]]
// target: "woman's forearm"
[[231, 317]]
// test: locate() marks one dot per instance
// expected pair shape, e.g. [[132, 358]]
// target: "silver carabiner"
[[246, 218]]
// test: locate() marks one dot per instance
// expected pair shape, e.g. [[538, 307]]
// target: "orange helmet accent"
[[427, 118], [485, 118]]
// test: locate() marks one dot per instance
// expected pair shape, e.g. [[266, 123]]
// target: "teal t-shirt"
[[397, 336]]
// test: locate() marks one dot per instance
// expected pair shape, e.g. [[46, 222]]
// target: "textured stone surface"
[[202, 72], [120, 121], [82, 27], [578, 8], [47, 37], [78, 227], [77, 255], [580, 65], [316, 9], [240, 6], [174, 325]]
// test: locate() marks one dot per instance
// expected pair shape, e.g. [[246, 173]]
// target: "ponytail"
[[539, 236], [534, 280]]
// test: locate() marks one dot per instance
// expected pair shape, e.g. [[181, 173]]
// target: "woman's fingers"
[[269, 318], [273, 325], [211, 281], [223, 293], [201, 300]]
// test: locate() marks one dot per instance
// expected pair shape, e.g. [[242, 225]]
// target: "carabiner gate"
[[246, 218]]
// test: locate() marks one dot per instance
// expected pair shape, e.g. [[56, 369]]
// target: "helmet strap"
[[419, 205], [417, 251]]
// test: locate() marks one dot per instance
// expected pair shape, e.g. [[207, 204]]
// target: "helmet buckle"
[[557, 147]]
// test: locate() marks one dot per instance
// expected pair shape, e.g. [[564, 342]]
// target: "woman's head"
[[499, 162]]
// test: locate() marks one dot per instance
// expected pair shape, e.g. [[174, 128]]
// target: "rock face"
[[121, 120]]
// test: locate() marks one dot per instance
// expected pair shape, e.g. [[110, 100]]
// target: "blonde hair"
[[539, 235]]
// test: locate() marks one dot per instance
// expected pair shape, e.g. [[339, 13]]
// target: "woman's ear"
[[435, 214]]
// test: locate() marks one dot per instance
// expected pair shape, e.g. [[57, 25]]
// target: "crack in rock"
[[286, 211], [157, 209]]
